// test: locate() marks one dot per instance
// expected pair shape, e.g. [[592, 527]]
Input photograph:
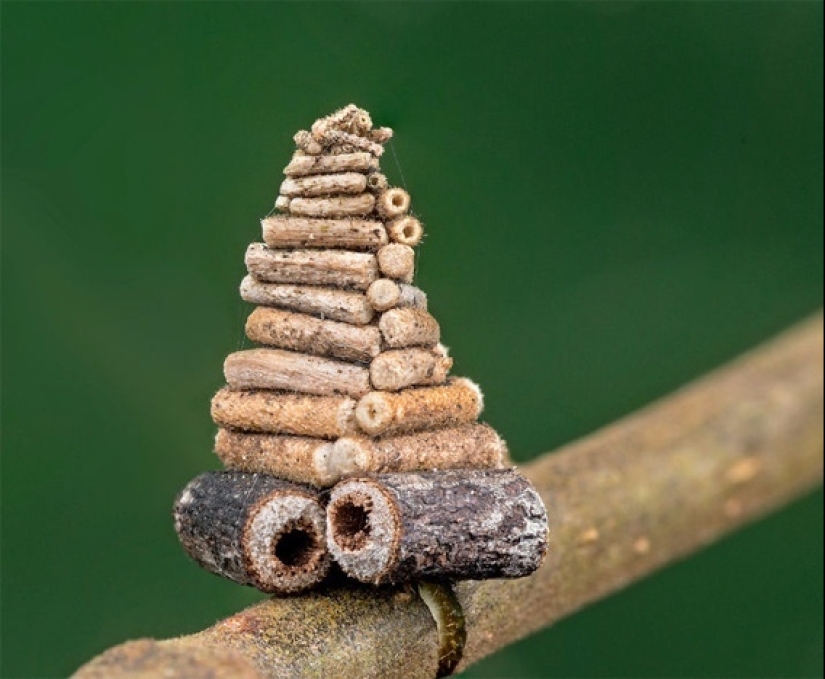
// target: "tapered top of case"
[[345, 131]]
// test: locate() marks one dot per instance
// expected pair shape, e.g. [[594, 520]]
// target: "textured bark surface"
[[283, 231], [397, 261], [468, 446], [465, 524], [338, 305], [406, 230], [335, 206], [385, 294], [396, 369], [324, 185], [310, 335], [409, 327], [253, 529], [386, 413], [288, 370], [284, 413], [622, 503], [393, 203], [301, 165], [295, 458], [336, 268]]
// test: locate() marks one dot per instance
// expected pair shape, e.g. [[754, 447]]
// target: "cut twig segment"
[[409, 327], [284, 413], [294, 458], [324, 185], [399, 368], [339, 305], [382, 413], [334, 206], [406, 230], [469, 446], [466, 525], [377, 182], [305, 142], [287, 370], [254, 529], [385, 294], [397, 261], [310, 335], [393, 203], [281, 231], [302, 165], [336, 268]]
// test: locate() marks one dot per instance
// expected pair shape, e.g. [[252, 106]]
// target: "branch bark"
[[622, 503]]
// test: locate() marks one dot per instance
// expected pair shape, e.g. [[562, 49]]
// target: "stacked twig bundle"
[[351, 379]]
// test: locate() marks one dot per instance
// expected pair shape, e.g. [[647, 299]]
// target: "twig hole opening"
[[351, 525], [295, 548]]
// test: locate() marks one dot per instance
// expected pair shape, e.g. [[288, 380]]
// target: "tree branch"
[[623, 502]]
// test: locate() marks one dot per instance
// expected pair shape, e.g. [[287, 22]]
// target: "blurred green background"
[[618, 198]]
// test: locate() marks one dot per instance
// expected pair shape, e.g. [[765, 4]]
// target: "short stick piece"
[[383, 413], [310, 335], [281, 231], [294, 458], [302, 165], [287, 370], [406, 230], [385, 294], [335, 206], [399, 368], [255, 530], [397, 261], [339, 305], [409, 327], [336, 268], [284, 413], [393, 203], [466, 525], [468, 446], [324, 185]]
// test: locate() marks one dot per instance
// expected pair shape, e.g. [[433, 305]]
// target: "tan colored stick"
[[406, 230], [324, 185], [397, 261], [302, 165], [385, 294], [310, 335], [382, 413], [277, 369], [409, 327], [393, 203], [336, 268], [293, 458], [283, 231], [339, 305], [283, 413], [471, 446], [305, 142], [377, 182], [335, 206], [399, 368], [623, 503]]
